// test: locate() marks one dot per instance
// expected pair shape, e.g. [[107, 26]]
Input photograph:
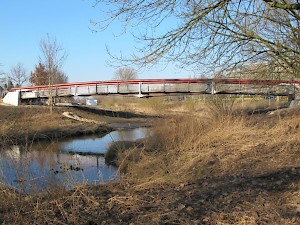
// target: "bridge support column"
[[213, 90], [75, 90], [140, 95]]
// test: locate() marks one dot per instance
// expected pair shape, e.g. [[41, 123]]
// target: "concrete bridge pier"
[[213, 88]]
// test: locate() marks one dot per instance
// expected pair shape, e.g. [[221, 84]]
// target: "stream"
[[63, 163]]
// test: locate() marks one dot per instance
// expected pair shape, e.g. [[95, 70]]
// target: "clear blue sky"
[[23, 23]]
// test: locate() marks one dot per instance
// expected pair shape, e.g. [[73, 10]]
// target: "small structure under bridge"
[[154, 87]]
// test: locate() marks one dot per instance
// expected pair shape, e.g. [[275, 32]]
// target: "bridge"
[[154, 87]]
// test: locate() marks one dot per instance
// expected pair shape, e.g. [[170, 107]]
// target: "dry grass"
[[190, 147], [200, 167], [25, 123], [239, 169]]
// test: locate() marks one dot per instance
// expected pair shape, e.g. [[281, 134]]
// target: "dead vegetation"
[[195, 168], [192, 147], [24, 124]]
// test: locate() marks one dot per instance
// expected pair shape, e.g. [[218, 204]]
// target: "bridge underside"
[[149, 88]]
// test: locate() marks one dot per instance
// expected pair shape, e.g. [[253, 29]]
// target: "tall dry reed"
[[188, 147]]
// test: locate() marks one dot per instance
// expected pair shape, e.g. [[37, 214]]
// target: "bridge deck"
[[150, 87]]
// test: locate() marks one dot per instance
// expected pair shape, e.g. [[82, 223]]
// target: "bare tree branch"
[[53, 57], [18, 74], [211, 34], [282, 5], [125, 73]]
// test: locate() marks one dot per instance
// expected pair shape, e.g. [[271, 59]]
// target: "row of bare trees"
[[47, 72], [17, 75], [218, 35]]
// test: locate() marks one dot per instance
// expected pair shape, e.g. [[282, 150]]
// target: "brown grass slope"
[[24, 124], [192, 147], [227, 169]]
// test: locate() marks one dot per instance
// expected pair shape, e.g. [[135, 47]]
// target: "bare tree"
[[125, 73], [18, 75], [216, 34], [3, 82], [2, 78], [53, 57]]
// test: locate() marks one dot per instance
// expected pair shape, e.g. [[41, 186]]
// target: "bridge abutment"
[[295, 102], [12, 98]]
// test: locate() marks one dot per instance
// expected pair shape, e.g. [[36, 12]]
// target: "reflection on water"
[[91, 144], [63, 163]]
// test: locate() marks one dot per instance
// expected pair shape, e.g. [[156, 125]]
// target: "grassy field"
[[218, 162]]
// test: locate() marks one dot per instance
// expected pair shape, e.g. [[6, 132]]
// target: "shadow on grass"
[[263, 199], [111, 113]]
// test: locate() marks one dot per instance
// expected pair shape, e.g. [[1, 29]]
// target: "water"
[[64, 163]]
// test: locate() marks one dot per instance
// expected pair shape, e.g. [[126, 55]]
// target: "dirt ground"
[[270, 195], [267, 199]]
